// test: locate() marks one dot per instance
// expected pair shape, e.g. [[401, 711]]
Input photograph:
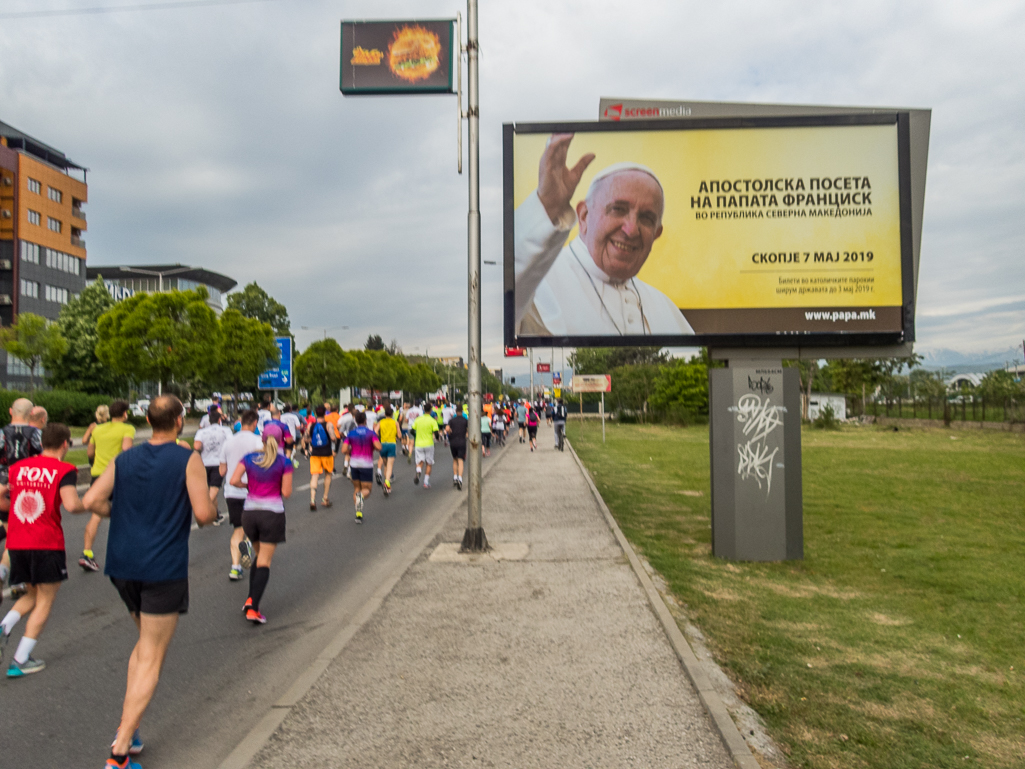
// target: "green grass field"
[[900, 640]]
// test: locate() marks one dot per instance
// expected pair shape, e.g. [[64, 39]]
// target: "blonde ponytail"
[[270, 453]]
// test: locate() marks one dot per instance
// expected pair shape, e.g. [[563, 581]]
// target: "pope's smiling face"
[[620, 221]]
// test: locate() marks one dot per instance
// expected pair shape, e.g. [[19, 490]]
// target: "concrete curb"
[[728, 732], [260, 734]]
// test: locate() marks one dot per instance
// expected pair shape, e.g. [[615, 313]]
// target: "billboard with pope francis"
[[727, 232]]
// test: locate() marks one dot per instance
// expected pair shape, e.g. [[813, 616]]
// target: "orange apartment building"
[[42, 253]]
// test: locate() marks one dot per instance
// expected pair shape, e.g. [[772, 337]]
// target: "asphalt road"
[[222, 673]]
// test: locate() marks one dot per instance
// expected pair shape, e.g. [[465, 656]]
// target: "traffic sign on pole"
[[279, 377]]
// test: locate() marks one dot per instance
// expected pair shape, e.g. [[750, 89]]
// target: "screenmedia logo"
[[619, 112]]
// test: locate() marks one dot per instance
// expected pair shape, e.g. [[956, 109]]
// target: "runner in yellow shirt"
[[387, 430], [424, 428], [107, 440]]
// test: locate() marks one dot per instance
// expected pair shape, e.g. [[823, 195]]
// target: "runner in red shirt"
[[38, 487]]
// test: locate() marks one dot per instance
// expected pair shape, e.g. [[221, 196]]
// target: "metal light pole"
[[474, 539]]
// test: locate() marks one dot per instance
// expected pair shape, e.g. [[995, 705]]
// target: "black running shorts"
[[264, 526], [458, 450], [362, 474], [214, 479], [235, 511], [38, 567], [167, 597], [532, 431]]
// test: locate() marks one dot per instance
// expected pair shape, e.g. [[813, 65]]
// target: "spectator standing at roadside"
[[151, 495], [107, 441]]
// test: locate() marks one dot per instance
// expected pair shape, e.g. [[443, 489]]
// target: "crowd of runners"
[[152, 493]]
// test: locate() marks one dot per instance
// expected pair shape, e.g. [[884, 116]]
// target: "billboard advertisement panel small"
[[394, 57], [719, 231]]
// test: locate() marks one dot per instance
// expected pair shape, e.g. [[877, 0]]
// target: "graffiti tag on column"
[[760, 419]]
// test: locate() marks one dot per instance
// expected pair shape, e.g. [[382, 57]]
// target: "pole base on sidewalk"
[[474, 541]]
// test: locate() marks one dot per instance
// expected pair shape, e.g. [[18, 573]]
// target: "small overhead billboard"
[[398, 57]]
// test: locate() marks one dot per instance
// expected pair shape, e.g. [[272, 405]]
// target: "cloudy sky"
[[216, 136]]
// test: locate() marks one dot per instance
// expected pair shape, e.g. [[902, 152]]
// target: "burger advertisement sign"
[[394, 57]]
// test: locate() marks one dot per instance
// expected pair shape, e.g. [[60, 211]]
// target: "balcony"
[[78, 213], [77, 242]]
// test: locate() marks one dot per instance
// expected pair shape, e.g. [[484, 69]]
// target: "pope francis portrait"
[[589, 287]]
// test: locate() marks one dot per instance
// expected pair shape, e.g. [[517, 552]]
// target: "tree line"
[[99, 346]]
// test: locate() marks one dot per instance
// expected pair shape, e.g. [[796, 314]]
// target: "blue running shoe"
[[128, 764], [26, 668], [136, 746]]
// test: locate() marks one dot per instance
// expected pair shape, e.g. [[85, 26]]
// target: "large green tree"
[[253, 302], [324, 366], [154, 337], [245, 349], [681, 386], [31, 339], [79, 368]]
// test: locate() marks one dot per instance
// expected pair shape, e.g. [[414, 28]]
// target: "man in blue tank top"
[[151, 494]]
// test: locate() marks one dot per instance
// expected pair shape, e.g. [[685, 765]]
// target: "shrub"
[[826, 420], [72, 408]]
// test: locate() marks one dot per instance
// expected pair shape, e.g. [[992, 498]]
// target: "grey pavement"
[[552, 660]]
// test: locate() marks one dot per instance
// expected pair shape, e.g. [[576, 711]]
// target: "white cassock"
[[560, 291]]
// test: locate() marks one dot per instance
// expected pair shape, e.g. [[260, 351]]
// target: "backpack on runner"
[[17, 444], [318, 435]]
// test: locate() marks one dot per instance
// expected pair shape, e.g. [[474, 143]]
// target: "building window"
[[56, 294], [29, 252], [58, 260], [53, 224], [34, 186], [16, 367], [34, 217], [55, 195], [29, 288]]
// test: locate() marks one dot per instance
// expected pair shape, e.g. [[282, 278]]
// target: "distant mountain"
[[969, 362]]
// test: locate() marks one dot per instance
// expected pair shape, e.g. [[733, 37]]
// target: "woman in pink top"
[[269, 480]]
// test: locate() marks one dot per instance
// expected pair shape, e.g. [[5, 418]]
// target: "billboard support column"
[[474, 540], [754, 413]]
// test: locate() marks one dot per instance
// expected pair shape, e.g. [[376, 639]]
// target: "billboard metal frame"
[[901, 118]]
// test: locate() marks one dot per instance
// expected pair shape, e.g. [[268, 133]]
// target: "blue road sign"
[[279, 377]]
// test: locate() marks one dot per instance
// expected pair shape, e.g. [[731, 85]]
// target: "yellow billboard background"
[[707, 263]]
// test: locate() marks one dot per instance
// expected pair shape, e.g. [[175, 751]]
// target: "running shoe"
[[326, 503], [380, 478], [295, 463], [427, 483], [416, 479], [221, 518], [348, 473], [256, 617], [247, 605], [459, 484], [4, 638], [135, 747], [17, 591], [235, 574], [128, 764], [26, 668], [245, 550], [387, 485], [313, 507], [359, 516], [359, 503], [88, 563]]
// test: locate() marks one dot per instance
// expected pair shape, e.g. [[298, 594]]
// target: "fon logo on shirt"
[[30, 506]]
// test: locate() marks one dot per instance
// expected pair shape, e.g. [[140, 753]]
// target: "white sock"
[[4, 571], [25, 647], [10, 621]]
